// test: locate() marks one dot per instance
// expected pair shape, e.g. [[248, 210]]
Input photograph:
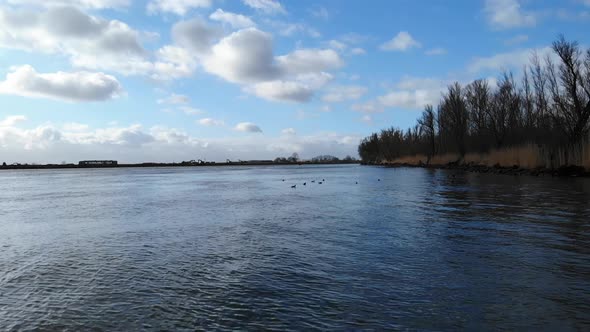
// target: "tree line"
[[294, 158], [549, 106]]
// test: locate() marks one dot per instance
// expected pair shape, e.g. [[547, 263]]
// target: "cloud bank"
[[81, 86]]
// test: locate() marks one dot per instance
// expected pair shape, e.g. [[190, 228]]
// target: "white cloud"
[[283, 91], [175, 99], [78, 86], [248, 127], [324, 141], [315, 80], [266, 6], [75, 127], [403, 41], [289, 29], [173, 62], [506, 61], [46, 142], [90, 42], [358, 51], [210, 122], [300, 89], [234, 20], [335, 44], [95, 43], [368, 107], [289, 131], [414, 93], [133, 136], [67, 30], [367, 119], [135, 144], [310, 60], [91, 4], [12, 120], [195, 34], [413, 83], [326, 108], [409, 93], [179, 7], [415, 99], [245, 56], [436, 51], [506, 14], [14, 139], [339, 94]]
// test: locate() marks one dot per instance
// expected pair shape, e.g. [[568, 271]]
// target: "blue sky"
[[171, 80]]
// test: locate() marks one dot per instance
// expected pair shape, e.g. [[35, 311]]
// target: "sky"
[[174, 80]]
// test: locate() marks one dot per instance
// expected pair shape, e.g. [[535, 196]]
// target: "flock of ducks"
[[319, 182]]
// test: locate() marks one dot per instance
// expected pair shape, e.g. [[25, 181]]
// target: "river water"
[[218, 248]]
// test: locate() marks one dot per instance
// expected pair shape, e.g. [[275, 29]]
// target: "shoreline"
[[156, 165], [563, 171]]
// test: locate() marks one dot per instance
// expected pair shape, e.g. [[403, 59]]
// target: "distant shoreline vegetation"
[[292, 160], [539, 122]]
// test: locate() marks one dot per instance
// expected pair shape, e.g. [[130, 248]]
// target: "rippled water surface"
[[236, 247]]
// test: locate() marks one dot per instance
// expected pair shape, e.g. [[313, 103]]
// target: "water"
[[236, 247]]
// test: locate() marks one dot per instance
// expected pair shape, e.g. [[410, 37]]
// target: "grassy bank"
[[527, 157]]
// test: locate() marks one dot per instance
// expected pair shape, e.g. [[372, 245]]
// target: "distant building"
[[98, 163]]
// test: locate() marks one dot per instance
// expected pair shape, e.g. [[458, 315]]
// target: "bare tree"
[[570, 89], [427, 125], [539, 78], [504, 110], [477, 97], [294, 158], [528, 101], [454, 114]]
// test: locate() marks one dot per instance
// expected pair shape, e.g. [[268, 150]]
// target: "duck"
[[294, 186]]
